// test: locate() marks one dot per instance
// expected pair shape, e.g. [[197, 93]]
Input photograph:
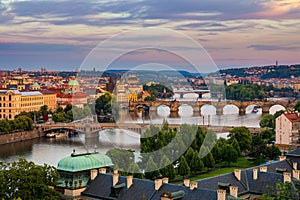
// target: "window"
[[9, 97], [0, 104], [9, 104], [9, 116], [3, 98]]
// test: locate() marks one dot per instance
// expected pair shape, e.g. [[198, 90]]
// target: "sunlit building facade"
[[13, 102]]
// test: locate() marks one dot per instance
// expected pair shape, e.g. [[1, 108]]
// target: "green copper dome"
[[73, 83], [82, 162], [35, 84]]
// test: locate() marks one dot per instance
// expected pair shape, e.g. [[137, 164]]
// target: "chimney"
[[102, 170], [233, 190], [165, 180], [158, 183], [129, 181], [296, 174], [237, 174], [94, 173], [286, 177], [255, 173], [281, 158], [115, 177], [193, 185], [186, 182], [263, 169], [221, 194], [295, 165]]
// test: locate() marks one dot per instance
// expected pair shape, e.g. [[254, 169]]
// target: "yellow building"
[[50, 99], [13, 102]]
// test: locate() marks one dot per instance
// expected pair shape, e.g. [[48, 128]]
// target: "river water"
[[50, 150]]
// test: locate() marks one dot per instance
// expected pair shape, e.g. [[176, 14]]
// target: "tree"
[[26, 180], [122, 158], [196, 163], [135, 170], [268, 121], [209, 161], [59, 117], [183, 168], [282, 191], [258, 148], [234, 143], [167, 169], [297, 106], [278, 113], [242, 136], [273, 152], [107, 105], [229, 154], [151, 169]]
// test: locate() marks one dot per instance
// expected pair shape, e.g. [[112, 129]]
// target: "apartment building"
[[288, 129]]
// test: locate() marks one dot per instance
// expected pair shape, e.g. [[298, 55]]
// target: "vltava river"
[[50, 151]]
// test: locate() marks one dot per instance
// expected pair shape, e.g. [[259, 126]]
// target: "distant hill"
[[264, 72]]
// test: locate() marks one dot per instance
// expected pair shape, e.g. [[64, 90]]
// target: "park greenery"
[[20, 123], [106, 108], [281, 191], [25, 180], [248, 92], [173, 153], [157, 91]]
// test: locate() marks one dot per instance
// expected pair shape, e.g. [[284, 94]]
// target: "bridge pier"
[[91, 134], [265, 109], [196, 109], [242, 110], [219, 110], [174, 114]]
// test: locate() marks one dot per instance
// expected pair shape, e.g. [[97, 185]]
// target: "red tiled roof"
[[293, 117]]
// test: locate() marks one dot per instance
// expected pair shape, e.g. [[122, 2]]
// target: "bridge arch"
[[276, 107], [208, 109], [230, 109], [163, 110], [185, 110], [253, 108], [143, 107]]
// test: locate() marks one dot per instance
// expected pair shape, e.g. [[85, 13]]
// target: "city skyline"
[[60, 34]]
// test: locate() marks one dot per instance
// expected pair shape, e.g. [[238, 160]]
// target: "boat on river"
[[56, 135]]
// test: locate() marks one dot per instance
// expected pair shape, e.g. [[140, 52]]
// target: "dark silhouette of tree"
[[183, 168], [25, 180]]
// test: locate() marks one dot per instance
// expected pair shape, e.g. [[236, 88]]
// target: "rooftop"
[[83, 162], [293, 117], [31, 93]]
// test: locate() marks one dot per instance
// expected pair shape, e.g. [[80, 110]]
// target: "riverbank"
[[20, 136]]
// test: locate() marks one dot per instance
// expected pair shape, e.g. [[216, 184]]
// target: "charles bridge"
[[197, 105]]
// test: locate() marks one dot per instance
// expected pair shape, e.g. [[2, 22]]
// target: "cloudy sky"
[[59, 34]]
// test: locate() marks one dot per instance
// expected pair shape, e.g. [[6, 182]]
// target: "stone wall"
[[20, 136]]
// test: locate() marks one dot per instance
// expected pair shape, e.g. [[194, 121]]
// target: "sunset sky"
[[59, 34]]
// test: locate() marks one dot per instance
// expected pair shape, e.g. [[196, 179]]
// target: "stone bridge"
[[90, 129], [219, 105]]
